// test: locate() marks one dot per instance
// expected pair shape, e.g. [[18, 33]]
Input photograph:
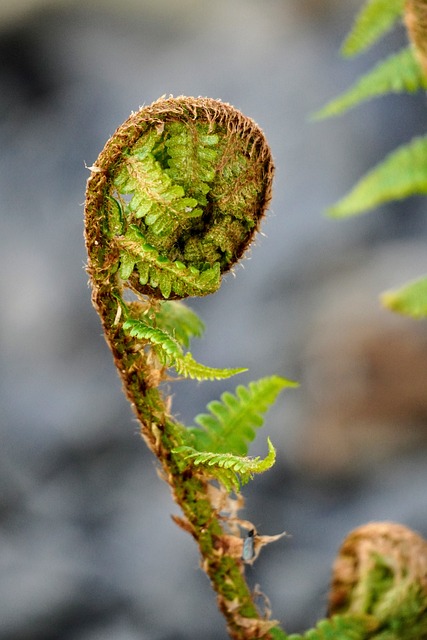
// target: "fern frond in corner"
[[409, 300], [401, 174], [170, 353], [374, 20], [174, 199], [231, 470], [233, 420], [399, 73]]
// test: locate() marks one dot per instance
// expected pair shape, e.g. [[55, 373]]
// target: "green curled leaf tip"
[[165, 185]]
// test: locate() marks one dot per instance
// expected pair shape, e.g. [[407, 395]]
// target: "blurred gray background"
[[87, 547]]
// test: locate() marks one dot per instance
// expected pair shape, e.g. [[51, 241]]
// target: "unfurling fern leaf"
[[399, 73], [401, 174], [170, 353], [231, 470], [374, 20], [232, 422]]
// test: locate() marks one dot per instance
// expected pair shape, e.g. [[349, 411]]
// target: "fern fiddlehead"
[[182, 187], [415, 14], [172, 203]]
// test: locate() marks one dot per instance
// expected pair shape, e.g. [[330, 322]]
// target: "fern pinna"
[[173, 201]]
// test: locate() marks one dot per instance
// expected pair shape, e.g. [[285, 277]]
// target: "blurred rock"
[[365, 368]]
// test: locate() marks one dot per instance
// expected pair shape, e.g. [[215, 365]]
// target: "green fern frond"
[[410, 300], [166, 347], [232, 422], [189, 368], [153, 193], [374, 20], [178, 320], [160, 272], [399, 73], [194, 149], [232, 470], [170, 352], [401, 174]]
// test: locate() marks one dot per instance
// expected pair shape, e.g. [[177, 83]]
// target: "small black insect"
[[248, 552]]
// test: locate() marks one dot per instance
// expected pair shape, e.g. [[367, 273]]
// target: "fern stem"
[[172, 203]]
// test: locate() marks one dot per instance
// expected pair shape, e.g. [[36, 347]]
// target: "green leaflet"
[[374, 20], [160, 272], [164, 219], [160, 192], [402, 173], [197, 150], [231, 470], [170, 353], [189, 368], [232, 421], [410, 300], [399, 73], [180, 321]]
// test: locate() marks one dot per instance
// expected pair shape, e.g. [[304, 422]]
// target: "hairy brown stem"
[[111, 242]]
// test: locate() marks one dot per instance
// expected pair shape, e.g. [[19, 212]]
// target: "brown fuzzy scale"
[[416, 23]]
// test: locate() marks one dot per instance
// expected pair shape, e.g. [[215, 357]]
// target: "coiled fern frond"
[[173, 201]]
